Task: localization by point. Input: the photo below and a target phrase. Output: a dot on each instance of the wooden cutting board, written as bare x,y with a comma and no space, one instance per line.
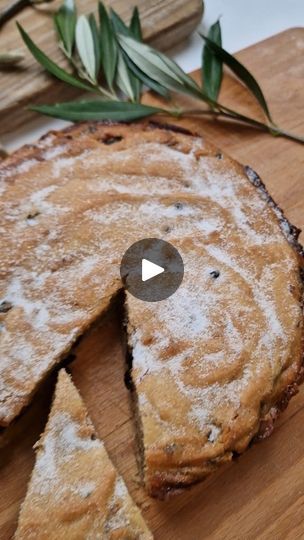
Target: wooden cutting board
261,494
165,23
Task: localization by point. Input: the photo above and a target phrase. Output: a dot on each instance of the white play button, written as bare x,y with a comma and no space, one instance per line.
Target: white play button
150,270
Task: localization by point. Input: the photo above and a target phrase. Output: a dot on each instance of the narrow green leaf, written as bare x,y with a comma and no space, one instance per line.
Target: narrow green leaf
158,67
150,83
143,55
215,33
136,32
109,49
123,80
65,22
212,65
85,46
119,111
139,77
135,25
119,26
241,72
96,40
134,29
49,65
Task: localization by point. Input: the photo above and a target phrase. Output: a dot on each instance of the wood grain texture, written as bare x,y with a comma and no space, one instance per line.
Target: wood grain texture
260,495
165,23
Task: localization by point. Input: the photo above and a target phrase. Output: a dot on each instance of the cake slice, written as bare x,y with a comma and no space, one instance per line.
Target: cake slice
75,492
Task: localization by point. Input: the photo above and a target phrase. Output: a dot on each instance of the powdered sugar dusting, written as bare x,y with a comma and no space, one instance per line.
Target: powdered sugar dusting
60,445
54,152
223,323
65,223
120,490
35,309
21,168
118,509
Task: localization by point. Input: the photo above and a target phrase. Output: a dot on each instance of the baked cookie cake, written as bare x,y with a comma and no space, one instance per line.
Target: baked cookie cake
75,491
212,364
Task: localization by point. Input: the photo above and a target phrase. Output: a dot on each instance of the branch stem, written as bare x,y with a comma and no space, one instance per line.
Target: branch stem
224,112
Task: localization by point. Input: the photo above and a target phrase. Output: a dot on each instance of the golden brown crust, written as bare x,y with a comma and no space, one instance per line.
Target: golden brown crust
170,482
75,491
33,175
221,219
180,460
290,384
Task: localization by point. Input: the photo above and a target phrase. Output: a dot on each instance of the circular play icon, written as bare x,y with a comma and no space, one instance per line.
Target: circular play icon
152,269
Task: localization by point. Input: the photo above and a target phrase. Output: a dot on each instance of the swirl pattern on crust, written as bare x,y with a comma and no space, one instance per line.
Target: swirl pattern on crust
210,362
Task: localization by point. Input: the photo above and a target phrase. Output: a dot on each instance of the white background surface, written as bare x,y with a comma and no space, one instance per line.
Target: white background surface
243,22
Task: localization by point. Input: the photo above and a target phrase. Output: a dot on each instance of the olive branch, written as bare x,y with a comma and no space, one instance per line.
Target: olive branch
109,59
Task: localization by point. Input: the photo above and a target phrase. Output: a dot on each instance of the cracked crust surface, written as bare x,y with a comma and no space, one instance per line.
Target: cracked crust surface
75,491
213,364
